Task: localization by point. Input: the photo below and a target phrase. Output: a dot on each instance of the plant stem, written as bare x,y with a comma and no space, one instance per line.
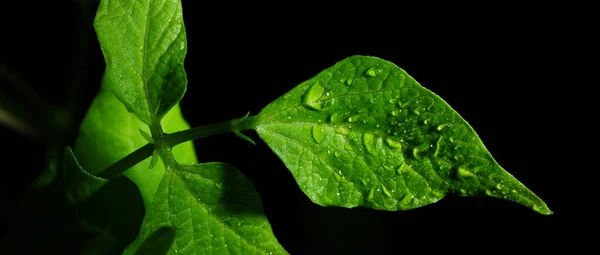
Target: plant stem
163,148
127,162
164,143
234,125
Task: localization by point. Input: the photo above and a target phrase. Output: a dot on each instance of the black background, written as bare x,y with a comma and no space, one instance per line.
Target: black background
497,66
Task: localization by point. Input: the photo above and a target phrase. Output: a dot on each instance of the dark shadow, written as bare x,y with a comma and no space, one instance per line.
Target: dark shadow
158,243
48,222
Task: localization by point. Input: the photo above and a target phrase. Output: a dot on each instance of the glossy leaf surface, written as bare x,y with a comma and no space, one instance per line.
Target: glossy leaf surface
214,209
365,133
144,45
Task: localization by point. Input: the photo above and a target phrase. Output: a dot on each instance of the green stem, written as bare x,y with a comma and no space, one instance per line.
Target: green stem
164,142
234,125
127,162
162,147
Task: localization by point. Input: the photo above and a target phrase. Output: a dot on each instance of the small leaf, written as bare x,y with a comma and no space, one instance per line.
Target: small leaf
381,141
144,45
215,210
146,136
154,159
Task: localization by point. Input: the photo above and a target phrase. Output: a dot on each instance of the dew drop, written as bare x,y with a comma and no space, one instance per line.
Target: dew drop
385,191
336,176
499,186
369,143
353,118
344,130
371,72
415,153
539,208
336,117
442,126
312,96
406,201
465,174
318,133
403,168
393,143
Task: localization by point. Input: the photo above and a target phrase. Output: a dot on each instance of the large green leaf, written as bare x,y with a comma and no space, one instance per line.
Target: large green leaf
214,209
365,133
144,45
69,211
109,132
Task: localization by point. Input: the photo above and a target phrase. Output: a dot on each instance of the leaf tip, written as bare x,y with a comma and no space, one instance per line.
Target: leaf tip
542,208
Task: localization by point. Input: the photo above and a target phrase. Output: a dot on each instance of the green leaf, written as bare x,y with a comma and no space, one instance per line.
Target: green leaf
158,242
144,45
365,133
109,132
74,212
215,210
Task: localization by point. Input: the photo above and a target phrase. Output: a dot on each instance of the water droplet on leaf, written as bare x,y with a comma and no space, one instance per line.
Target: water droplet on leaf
393,143
336,117
442,126
318,133
385,191
369,143
312,96
371,72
